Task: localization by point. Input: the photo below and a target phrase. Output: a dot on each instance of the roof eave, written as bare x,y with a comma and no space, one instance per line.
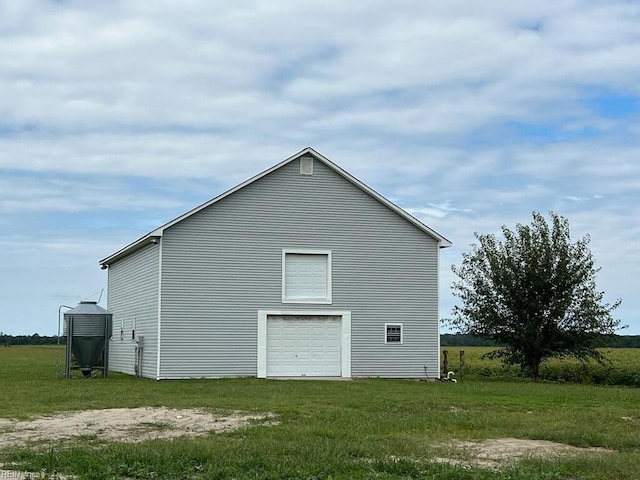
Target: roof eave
123,252
150,238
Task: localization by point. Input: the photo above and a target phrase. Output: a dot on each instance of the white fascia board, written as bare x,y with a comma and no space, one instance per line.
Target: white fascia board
442,241
160,230
149,238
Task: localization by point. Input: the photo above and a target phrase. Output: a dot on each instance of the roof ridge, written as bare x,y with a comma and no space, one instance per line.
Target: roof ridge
153,235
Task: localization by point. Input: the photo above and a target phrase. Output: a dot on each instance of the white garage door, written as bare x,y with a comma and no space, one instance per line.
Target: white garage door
299,346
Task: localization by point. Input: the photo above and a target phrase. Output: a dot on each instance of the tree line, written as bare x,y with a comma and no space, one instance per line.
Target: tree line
603,341
446,340
34,339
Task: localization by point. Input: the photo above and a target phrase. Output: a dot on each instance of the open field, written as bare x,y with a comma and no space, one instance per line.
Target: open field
621,367
382,429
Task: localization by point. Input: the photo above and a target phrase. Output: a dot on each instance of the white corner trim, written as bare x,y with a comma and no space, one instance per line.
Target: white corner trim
159,309
345,341
345,350
436,371
262,344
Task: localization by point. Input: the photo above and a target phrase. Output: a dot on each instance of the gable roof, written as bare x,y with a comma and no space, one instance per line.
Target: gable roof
155,235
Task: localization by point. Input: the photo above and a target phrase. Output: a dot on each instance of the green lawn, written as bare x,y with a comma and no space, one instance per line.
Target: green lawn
373,428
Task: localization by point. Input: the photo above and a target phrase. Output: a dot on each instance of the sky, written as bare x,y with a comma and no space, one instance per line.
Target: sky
118,116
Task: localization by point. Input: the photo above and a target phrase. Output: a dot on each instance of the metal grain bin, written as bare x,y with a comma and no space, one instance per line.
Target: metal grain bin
87,328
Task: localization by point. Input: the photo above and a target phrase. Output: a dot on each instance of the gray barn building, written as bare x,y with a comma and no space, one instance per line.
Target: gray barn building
301,270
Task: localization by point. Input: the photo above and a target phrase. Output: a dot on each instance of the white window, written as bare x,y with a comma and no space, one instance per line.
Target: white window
393,333
306,276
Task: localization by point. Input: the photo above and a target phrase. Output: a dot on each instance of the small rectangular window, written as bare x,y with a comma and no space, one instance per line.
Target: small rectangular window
393,333
133,329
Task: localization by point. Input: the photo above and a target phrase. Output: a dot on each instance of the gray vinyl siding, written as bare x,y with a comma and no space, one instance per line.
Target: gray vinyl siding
133,293
224,263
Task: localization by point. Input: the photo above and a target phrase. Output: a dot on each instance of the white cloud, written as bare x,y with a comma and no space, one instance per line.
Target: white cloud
471,114
436,210
25,195
574,198
206,65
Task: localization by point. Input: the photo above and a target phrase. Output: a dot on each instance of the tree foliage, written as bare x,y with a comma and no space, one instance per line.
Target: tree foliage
534,292
35,339
603,341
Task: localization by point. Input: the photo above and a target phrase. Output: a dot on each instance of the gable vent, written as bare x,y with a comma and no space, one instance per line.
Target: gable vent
306,166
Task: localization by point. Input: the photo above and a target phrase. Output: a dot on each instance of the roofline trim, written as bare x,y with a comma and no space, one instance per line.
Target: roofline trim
148,239
443,242
158,232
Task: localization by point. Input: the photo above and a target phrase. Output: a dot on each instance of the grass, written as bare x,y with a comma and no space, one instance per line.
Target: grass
621,367
365,429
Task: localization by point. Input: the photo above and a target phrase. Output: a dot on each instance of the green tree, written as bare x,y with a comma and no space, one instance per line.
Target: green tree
534,292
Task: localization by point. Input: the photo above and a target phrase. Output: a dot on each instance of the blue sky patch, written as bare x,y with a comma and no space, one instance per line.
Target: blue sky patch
612,105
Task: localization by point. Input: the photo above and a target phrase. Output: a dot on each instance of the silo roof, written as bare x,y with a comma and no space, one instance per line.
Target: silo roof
88,308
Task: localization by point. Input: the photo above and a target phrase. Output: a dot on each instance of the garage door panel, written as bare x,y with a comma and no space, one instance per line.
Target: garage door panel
303,346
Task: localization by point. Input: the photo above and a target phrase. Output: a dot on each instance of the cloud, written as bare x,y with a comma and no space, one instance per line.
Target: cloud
186,62
116,117
436,210
20,195
574,198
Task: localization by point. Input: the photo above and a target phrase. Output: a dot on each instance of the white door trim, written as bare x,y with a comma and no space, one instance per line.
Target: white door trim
345,341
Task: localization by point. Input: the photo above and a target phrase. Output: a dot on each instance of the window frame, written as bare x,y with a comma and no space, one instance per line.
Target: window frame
386,333
306,251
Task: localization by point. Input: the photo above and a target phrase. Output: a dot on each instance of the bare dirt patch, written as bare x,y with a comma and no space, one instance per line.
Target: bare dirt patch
122,425
497,453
